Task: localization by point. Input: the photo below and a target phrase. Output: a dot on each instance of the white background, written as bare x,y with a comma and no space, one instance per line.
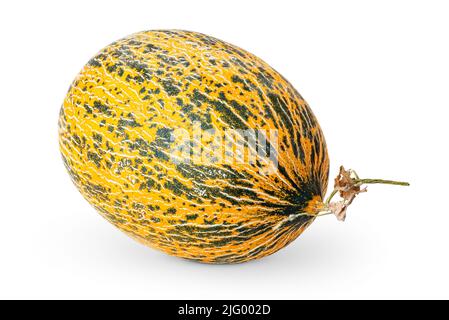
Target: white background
376,74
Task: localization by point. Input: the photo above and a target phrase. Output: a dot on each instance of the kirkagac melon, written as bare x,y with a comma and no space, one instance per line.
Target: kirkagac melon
256,167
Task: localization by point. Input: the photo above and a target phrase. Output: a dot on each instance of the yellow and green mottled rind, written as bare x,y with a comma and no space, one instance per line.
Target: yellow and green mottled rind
114,127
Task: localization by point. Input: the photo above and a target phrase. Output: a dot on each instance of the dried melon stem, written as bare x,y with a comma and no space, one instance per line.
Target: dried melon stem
348,184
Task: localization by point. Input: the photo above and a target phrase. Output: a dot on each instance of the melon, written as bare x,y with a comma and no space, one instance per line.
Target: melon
194,146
